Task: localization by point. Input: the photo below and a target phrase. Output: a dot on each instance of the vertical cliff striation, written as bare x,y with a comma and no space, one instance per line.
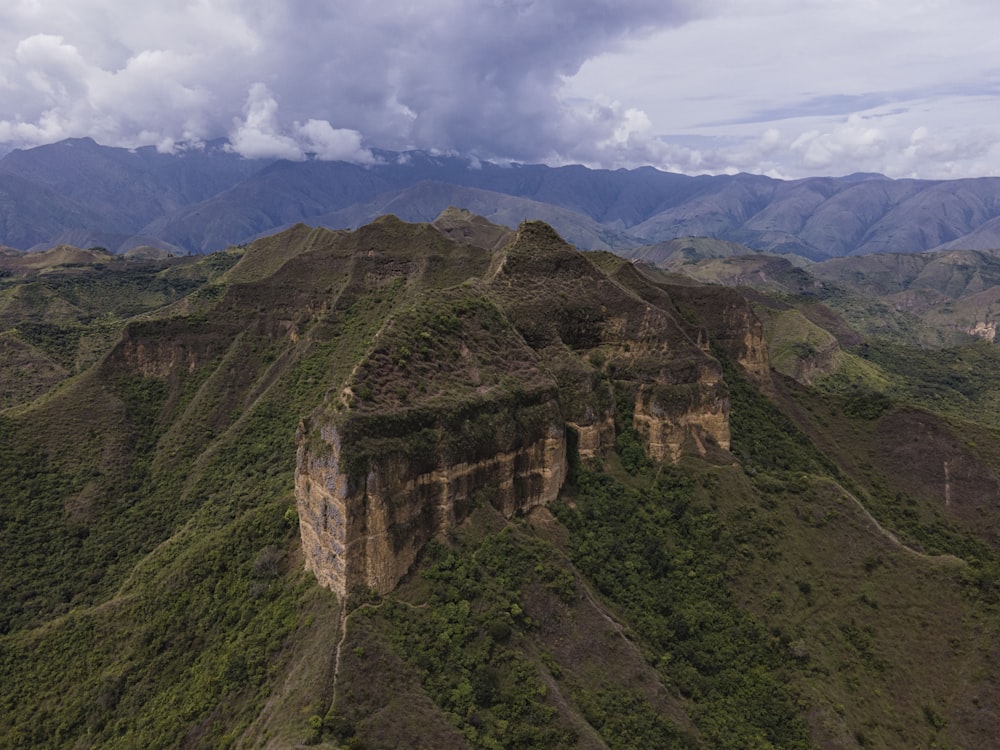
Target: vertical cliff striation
365,532
596,313
471,393
448,409
680,419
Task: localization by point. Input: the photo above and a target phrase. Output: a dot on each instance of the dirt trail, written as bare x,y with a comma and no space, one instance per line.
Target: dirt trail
891,537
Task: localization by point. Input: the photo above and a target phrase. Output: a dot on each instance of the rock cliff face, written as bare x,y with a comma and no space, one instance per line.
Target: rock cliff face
470,394
366,533
730,324
691,418
986,330
595,438
160,350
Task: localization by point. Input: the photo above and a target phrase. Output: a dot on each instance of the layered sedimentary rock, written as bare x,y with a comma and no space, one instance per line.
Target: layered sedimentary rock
630,329
595,438
469,395
729,323
447,410
165,348
690,417
366,532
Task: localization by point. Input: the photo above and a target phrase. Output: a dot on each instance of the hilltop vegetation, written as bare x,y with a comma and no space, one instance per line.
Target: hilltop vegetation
831,580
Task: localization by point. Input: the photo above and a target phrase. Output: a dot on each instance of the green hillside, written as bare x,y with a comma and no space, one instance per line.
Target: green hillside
829,577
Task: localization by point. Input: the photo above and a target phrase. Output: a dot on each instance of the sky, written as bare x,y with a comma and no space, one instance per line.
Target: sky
787,88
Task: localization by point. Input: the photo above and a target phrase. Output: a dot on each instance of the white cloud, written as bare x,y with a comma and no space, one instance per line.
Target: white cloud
802,69
768,85
460,75
257,135
334,144
853,141
52,67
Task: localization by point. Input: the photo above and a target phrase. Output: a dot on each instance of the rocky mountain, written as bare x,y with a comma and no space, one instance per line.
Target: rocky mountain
206,198
454,485
936,298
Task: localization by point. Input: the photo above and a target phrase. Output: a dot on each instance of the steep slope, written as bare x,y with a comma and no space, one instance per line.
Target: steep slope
460,397
192,474
61,309
462,225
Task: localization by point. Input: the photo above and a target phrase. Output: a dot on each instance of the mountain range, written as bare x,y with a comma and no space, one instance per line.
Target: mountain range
207,198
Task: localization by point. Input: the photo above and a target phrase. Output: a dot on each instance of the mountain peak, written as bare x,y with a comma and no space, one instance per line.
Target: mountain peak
462,225
538,234
73,142
536,249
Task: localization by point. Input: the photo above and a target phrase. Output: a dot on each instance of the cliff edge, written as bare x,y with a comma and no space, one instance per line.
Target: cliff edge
474,393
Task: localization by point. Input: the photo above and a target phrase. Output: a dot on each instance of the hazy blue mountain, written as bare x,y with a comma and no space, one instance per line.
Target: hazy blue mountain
31,213
281,194
126,188
426,200
206,198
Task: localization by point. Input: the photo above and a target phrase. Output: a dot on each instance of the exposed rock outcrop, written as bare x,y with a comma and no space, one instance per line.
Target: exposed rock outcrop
693,416
367,532
986,330
470,395
165,348
595,438
729,323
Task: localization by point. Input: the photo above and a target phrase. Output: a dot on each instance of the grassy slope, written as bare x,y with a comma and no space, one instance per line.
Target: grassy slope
154,593
178,522
930,482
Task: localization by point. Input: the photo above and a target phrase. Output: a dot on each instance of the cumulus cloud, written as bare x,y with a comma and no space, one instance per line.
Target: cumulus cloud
308,77
592,81
851,142
334,144
260,135
257,135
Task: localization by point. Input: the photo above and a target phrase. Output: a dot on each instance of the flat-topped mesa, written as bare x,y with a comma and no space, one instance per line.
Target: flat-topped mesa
475,393
448,410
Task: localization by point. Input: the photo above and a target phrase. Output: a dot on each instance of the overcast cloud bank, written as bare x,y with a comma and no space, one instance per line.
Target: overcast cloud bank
774,86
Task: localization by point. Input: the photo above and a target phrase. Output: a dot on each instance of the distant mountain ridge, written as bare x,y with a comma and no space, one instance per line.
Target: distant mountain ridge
205,199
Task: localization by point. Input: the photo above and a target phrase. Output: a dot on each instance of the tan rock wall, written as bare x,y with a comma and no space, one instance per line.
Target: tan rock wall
369,535
692,422
595,439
